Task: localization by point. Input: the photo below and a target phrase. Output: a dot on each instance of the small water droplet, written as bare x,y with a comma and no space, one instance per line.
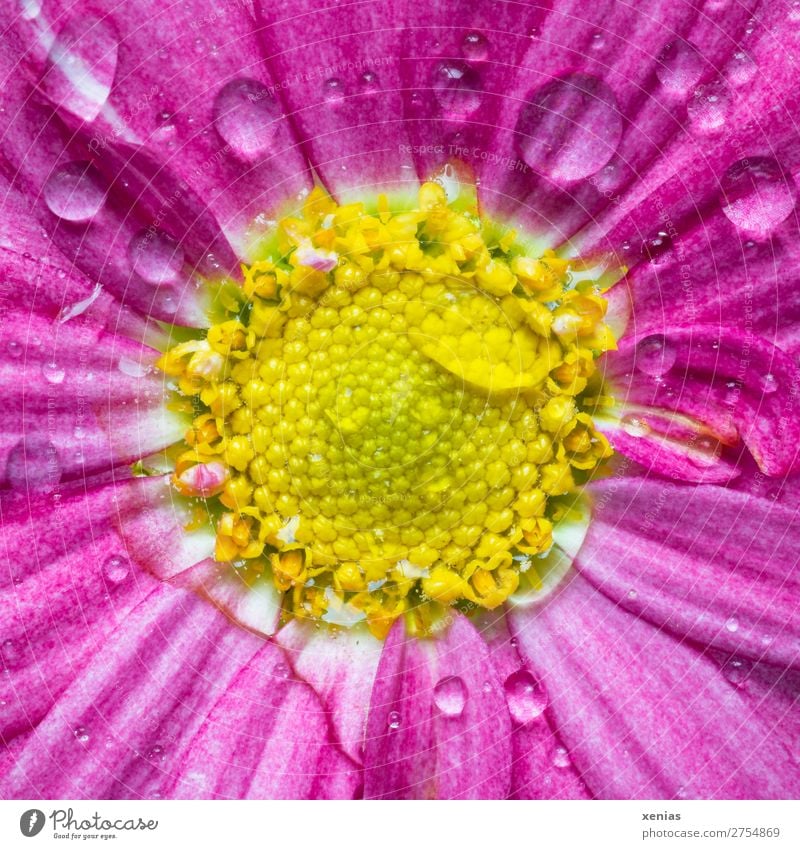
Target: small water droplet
15,350
81,734
369,81
741,68
450,696
634,426
561,758
474,46
709,107
732,625
53,373
282,671
116,568
333,90
655,355
525,697
736,671
632,595
768,384
156,754
656,248
679,66
598,41
457,88
393,720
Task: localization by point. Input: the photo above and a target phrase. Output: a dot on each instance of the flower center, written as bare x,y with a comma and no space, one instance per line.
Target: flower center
391,419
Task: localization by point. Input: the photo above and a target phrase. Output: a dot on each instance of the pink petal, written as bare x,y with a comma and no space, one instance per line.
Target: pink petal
642,715
66,584
266,738
346,104
706,563
723,383
435,729
341,670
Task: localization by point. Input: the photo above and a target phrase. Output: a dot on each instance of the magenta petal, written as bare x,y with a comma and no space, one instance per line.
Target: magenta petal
121,729
435,729
724,385
341,671
266,738
539,766
707,563
346,103
642,715
65,584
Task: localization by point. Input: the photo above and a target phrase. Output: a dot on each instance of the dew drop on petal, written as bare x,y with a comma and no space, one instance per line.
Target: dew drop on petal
525,697
116,568
634,426
245,116
81,734
370,81
450,696
679,66
656,248
741,68
709,107
74,192
732,625
474,46
333,90
561,758
736,671
757,194
570,128
155,256
393,720
457,88
14,349
53,373
655,355
33,463
768,384
131,367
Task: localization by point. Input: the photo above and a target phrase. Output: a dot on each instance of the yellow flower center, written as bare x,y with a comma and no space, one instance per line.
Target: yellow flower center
389,421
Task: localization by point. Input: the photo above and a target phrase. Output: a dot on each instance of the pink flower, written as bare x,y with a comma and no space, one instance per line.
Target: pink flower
147,151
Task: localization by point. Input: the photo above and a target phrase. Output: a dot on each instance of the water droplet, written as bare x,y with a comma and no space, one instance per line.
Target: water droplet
74,192
450,696
370,81
457,88
14,349
758,194
732,625
632,595
155,256
741,68
281,671
768,384
393,720
736,671
81,734
655,355
561,758
132,368
333,90
475,47
53,373
525,697
570,128
246,116
116,568
156,754
33,463
679,66
598,41
709,107
657,247
634,426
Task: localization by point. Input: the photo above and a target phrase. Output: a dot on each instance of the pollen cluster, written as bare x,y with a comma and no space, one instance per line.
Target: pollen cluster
391,412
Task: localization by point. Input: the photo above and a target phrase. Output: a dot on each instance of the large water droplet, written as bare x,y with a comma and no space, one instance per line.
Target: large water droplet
450,696
155,256
679,66
33,463
741,68
116,568
758,194
457,88
570,128
74,192
709,107
655,355
525,697
245,116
